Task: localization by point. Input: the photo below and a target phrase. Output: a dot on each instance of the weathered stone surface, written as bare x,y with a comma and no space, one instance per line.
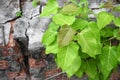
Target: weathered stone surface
36,31
36,25
8,9
4,33
94,5
2,75
36,66
117,14
7,31
29,11
1,35
61,2
20,27
43,1
3,64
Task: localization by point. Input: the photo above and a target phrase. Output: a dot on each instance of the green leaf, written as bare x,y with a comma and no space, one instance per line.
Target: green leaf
69,9
50,34
117,21
101,70
89,40
107,31
53,48
91,69
83,55
74,66
108,59
79,24
104,73
50,8
65,35
116,34
67,55
104,19
53,26
93,26
63,19
118,53
81,70
83,11
35,2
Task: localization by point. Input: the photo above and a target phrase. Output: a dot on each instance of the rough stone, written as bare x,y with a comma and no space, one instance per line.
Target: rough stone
20,27
36,66
1,35
3,64
36,31
37,77
43,2
93,5
29,11
117,14
8,9
2,75
7,31
37,26
4,33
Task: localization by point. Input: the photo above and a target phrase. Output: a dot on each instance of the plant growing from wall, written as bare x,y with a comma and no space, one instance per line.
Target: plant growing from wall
18,13
82,46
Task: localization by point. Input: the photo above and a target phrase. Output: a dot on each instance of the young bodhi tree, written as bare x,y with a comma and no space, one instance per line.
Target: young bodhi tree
83,45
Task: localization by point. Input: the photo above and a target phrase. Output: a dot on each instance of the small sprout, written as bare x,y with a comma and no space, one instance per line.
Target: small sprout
18,13
35,3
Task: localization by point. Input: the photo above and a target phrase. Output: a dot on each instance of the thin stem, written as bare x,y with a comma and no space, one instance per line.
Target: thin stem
54,75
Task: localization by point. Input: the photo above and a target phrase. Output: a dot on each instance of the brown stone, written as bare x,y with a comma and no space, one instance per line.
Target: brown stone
37,63
11,75
3,64
21,76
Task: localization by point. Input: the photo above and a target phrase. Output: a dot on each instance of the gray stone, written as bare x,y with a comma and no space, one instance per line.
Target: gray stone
61,2
36,31
7,27
116,14
20,27
1,35
2,75
37,77
43,1
8,9
29,11
93,1
93,5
